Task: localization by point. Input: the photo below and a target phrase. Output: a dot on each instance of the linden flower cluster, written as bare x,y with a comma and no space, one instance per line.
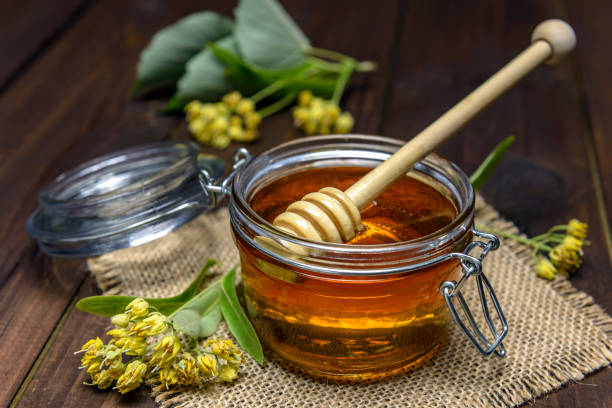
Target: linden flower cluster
317,116
218,124
165,359
566,256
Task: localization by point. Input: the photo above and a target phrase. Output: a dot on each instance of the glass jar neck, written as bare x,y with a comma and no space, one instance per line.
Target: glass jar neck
342,259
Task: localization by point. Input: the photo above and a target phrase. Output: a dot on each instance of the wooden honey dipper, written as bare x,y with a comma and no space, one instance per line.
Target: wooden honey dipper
334,216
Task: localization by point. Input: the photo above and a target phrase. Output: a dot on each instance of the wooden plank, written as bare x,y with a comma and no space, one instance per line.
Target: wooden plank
546,179
593,65
73,104
60,383
67,389
28,27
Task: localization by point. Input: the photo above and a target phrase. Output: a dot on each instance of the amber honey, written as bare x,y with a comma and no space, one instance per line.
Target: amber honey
358,326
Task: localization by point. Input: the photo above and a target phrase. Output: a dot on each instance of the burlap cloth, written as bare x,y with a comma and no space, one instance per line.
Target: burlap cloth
556,333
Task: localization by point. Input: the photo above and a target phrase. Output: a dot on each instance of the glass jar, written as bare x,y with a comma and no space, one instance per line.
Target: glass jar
355,311
336,310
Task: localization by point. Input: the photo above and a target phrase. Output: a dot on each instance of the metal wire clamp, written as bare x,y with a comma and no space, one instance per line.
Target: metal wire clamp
472,266
209,185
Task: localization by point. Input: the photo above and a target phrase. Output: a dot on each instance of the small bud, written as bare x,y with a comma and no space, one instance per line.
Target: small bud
228,373
220,125
193,109
220,141
232,99
245,106
120,320
235,121
137,308
252,120
300,116
577,229
344,123
304,98
235,133
545,269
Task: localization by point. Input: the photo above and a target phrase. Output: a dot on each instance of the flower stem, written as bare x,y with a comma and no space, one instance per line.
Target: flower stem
278,105
535,245
269,90
348,65
362,66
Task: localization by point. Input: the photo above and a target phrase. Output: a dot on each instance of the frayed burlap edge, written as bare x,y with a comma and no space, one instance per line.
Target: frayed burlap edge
537,383
566,369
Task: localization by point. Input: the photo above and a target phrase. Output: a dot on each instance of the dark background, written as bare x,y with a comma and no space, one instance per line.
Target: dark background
66,69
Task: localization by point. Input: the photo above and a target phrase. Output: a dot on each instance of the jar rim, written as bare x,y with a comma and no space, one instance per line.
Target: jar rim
320,147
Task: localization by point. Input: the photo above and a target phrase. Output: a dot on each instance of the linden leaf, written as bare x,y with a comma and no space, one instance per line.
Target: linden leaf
267,36
112,305
162,63
237,321
488,166
205,78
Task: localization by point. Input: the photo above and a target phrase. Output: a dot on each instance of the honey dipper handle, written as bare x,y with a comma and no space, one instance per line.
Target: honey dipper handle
551,40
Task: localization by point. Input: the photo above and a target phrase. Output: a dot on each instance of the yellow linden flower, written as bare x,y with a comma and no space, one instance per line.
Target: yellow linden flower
103,379
168,376
117,334
565,260
344,123
250,135
332,112
92,345
152,325
577,229
252,120
92,359
228,373
304,98
571,243
116,369
120,320
232,99
300,116
132,377
220,124
545,269
137,308
220,141
197,127
225,349
186,369
245,106
207,365
166,350
135,346
193,109
208,112
236,133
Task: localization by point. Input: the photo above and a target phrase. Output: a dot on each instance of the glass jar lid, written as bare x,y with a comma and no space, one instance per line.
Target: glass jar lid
122,199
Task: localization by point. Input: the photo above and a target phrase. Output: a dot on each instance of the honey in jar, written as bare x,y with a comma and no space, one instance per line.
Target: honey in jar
363,309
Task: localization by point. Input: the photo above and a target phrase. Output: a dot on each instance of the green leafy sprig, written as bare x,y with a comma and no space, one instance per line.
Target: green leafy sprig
206,55
195,312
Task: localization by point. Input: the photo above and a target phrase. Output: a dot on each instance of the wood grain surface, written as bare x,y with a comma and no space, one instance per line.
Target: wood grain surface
68,69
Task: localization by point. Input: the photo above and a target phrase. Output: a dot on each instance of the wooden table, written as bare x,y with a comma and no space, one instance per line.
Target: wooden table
65,76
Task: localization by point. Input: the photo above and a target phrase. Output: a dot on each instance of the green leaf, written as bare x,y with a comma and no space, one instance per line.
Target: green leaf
187,321
250,78
112,305
209,322
486,168
237,321
162,63
205,78
267,36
